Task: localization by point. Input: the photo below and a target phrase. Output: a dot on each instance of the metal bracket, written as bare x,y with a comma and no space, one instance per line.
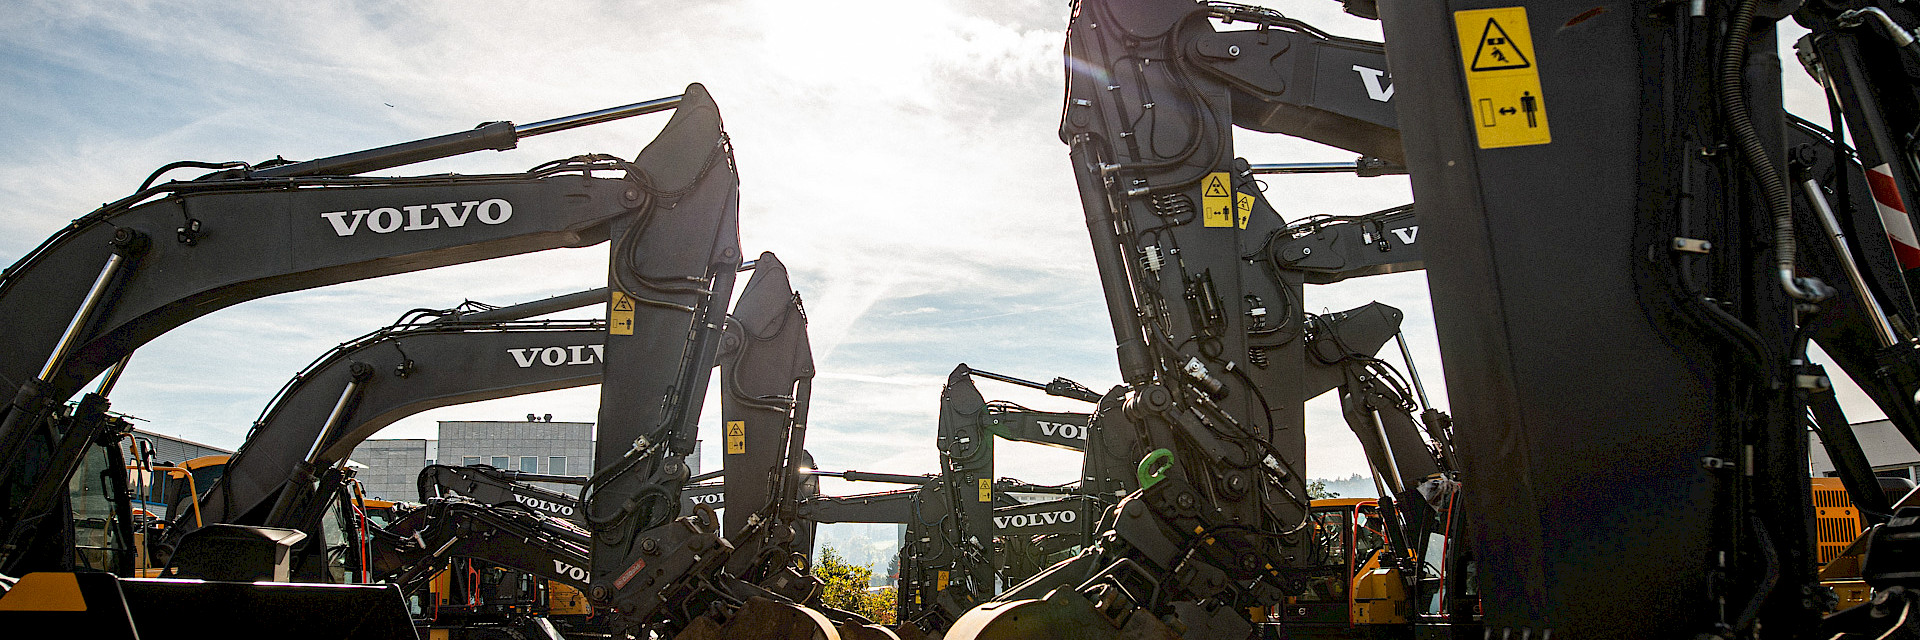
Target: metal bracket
1691,245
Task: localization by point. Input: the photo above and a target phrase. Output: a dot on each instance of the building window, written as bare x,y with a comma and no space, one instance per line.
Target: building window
469,460
557,465
500,462
530,464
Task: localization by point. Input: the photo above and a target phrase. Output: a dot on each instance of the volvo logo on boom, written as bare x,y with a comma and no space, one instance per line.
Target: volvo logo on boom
711,498
570,571
558,356
1062,429
544,505
1034,519
1377,90
417,218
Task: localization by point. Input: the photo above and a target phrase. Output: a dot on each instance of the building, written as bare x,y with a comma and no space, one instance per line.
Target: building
392,467
1887,451
535,445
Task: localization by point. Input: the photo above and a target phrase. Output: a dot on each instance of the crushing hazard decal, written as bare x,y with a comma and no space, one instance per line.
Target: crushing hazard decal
1503,77
620,315
1220,205
736,436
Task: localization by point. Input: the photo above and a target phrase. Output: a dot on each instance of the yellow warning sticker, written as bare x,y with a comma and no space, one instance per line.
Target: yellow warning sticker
1503,77
941,584
1216,200
620,315
986,489
1243,206
736,436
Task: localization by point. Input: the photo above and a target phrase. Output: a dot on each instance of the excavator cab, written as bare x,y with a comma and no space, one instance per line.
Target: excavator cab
1362,575
1346,536
102,515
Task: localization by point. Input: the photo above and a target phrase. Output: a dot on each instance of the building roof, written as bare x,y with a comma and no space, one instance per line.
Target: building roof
181,440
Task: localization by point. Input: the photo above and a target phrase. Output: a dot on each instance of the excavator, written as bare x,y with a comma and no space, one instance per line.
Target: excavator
79,304
947,564
288,473
1624,307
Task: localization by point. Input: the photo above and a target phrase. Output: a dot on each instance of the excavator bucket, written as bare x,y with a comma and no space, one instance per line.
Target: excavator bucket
865,632
765,619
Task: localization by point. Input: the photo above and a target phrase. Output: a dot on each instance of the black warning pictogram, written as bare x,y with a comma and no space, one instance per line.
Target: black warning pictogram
1216,186
1497,51
621,303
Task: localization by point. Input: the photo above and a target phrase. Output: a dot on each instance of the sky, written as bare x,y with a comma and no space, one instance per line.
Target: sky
901,158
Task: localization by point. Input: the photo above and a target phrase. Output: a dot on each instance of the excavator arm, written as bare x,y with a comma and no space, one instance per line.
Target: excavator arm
136,268
415,547
355,390
496,487
683,576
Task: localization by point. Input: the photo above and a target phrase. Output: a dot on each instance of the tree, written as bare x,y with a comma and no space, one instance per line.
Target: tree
1317,489
846,587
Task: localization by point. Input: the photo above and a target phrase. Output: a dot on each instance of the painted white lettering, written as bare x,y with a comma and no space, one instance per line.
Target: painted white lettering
553,356
502,209
1407,234
599,352
1375,90
340,225
1020,520
384,220
522,356
414,220
1069,431
456,219
419,217
579,355
570,571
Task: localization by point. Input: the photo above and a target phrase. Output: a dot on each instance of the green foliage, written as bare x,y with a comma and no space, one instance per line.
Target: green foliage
846,587
1317,489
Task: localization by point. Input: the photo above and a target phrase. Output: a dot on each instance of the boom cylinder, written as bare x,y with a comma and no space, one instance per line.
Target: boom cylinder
498,136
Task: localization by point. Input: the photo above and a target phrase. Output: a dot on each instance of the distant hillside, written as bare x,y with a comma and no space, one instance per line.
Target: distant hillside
1354,486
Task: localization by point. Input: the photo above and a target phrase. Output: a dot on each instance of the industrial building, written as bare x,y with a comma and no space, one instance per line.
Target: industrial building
1887,451
535,445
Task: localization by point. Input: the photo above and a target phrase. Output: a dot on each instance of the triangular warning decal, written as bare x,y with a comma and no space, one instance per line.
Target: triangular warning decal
1497,51
621,303
1216,186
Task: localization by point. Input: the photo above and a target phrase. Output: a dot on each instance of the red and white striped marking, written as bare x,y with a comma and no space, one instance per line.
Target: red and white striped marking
1893,216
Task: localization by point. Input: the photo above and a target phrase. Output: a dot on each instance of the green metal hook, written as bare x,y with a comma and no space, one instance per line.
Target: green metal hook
1153,468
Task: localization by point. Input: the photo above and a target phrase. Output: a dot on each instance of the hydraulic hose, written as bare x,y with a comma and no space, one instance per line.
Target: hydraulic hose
1733,104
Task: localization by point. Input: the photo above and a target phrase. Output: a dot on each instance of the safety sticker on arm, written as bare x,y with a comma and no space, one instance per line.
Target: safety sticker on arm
1503,77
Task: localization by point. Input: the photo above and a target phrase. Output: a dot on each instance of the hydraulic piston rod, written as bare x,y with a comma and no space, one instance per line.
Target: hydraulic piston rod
1059,387
1365,167
1882,329
863,476
498,136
